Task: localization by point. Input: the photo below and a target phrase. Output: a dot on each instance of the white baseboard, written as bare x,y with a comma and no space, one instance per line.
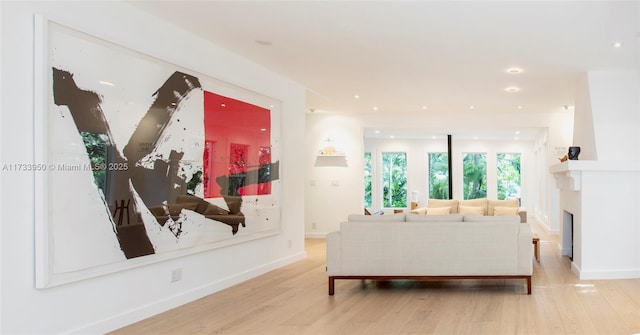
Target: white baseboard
315,235
153,308
605,274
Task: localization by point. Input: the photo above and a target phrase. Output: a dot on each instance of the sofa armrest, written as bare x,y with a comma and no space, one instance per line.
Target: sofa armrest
333,253
522,212
525,249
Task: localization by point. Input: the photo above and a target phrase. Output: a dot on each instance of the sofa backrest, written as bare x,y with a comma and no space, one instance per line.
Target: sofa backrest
451,248
376,218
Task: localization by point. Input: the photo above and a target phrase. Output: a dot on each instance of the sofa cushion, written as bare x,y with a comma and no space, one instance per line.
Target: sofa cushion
434,218
376,218
492,204
498,211
438,211
452,203
471,210
504,218
482,202
233,203
175,209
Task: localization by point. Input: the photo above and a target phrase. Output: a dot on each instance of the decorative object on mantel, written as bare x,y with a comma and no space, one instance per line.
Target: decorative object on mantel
563,158
574,152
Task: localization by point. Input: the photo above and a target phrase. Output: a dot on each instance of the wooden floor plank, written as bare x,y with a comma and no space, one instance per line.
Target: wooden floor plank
294,300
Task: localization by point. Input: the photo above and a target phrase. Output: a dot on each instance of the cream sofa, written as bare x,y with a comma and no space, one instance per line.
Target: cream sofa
410,246
481,206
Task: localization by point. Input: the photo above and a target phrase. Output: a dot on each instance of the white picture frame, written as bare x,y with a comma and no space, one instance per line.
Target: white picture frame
77,236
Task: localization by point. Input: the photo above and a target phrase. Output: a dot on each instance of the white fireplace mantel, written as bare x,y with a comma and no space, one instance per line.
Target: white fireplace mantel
585,191
568,174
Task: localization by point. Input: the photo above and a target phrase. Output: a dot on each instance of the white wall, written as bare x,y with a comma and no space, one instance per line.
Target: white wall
327,206
616,114
332,190
104,303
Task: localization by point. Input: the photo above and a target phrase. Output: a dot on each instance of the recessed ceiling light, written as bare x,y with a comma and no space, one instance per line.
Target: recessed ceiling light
519,107
514,70
377,131
472,107
356,96
424,108
223,105
517,132
392,136
263,129
512,89
375,108
617,44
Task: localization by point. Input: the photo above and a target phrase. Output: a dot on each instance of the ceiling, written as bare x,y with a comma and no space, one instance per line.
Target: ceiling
422,56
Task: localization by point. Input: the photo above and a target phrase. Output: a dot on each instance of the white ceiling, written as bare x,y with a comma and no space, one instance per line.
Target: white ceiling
400,56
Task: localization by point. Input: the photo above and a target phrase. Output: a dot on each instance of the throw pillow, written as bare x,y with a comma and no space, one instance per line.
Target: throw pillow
471,210
234,203
492,204
438,211
505,211
452,203
481,202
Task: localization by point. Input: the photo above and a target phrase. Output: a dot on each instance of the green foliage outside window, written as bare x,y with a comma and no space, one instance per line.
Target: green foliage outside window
394,179
438,176
96,145
508,176
474,166
367,179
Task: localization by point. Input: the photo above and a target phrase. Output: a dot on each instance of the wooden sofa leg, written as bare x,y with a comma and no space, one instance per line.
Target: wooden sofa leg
529,285
331,285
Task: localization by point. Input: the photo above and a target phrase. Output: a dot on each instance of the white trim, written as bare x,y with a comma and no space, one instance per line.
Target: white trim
605,274
137,314
315,235
41,190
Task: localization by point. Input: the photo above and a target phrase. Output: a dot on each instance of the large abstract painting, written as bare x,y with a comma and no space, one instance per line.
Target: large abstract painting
146,161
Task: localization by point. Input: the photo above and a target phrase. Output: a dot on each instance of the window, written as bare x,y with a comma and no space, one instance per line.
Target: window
394,179
508,174
439,175
474,166
367,179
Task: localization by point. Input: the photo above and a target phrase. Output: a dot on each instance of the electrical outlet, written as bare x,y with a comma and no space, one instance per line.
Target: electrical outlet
176,275
314,225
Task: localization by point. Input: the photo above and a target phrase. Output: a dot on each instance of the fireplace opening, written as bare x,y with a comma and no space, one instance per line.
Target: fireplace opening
567,234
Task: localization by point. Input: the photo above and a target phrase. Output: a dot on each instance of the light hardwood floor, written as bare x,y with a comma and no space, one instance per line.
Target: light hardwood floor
294,300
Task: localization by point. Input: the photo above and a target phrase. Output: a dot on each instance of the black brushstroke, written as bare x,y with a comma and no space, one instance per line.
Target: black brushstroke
85,108
232,183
